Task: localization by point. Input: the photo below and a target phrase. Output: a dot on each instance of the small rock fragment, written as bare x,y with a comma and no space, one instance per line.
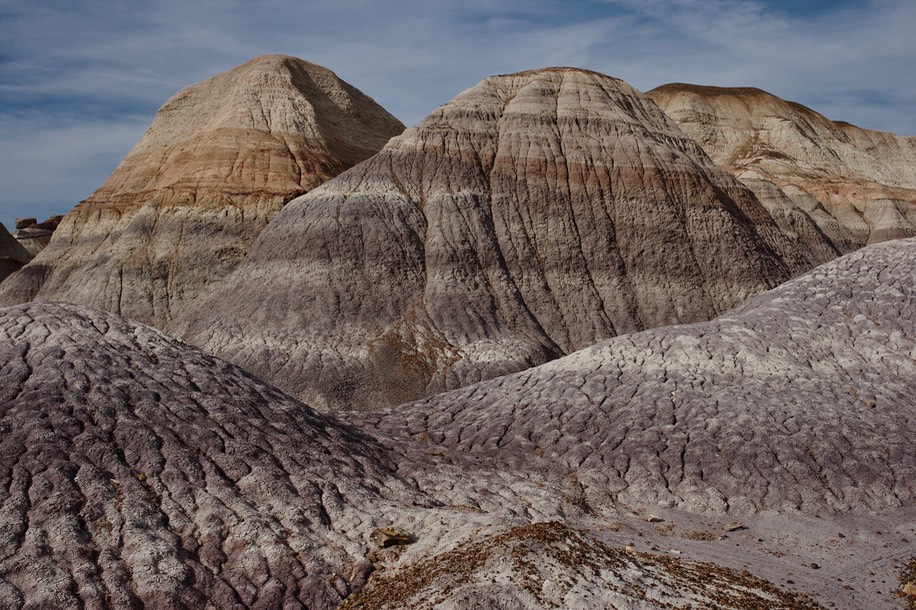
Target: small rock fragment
390,536
732,527
909,588
815,566
653,519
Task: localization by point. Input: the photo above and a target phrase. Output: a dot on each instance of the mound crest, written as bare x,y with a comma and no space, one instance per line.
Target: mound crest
138,471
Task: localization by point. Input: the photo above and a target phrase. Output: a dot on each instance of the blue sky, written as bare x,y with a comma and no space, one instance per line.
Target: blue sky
81,81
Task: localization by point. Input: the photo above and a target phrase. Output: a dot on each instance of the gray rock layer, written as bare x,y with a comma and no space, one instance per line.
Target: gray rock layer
137,472
803,399
833,186
533,215
219,160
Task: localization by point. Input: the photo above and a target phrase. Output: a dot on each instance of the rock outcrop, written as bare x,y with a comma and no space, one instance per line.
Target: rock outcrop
34,236
12,255
139,472
834,186
219,160
531,216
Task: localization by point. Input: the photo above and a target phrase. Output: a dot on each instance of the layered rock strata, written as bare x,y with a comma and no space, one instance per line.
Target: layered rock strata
799,400
219,160
12,255
531,216
833,185
34,236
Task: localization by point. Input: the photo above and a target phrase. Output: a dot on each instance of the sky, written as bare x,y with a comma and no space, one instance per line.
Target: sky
81,81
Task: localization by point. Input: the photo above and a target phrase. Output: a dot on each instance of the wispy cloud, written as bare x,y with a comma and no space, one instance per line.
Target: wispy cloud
80,81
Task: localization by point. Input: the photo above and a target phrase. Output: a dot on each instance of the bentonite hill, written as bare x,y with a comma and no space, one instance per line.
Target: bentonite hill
760,460
534,214
836,185
219,160
578,361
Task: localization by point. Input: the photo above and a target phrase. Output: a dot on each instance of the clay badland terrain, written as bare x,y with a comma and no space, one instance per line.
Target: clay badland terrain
570,345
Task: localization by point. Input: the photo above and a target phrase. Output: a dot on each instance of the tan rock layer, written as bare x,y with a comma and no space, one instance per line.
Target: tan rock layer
219,160
532,215
830,183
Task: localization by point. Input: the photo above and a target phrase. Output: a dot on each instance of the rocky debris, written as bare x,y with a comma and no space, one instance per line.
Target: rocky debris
532,215
34,236
220,159
764,408
140,472
734,526
550,565
12,255
832,186
390,536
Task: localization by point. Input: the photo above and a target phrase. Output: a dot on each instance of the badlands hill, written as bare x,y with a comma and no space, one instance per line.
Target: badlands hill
12,254
139,472
820,179
728,464
798,404
219,160
532,215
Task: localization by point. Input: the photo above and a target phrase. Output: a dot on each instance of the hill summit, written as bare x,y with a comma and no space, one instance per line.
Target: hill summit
220,159
532,215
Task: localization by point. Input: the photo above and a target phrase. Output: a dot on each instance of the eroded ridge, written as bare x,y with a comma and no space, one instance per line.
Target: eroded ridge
833,187
533,215
136,471
801,399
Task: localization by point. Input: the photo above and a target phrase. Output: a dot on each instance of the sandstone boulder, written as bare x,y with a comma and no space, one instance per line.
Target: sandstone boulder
34,236
219,160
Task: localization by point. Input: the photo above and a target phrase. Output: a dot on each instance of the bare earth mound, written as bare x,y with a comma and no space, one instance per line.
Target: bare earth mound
834,186
776,438
800,400
531,216
139,472
219,160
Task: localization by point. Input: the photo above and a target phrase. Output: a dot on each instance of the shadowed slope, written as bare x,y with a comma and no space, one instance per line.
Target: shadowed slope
533,215
136,471
219,160
833,185
12,255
